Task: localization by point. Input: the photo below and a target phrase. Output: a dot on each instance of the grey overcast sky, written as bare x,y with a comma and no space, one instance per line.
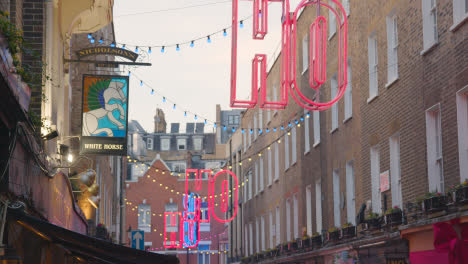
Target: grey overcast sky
195,78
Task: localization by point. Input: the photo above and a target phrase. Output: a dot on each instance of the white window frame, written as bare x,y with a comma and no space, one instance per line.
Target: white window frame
430,32
244,137
309,209
144,217
278,225
260,119
288,220
334,108
165,146
460,13
348,96
262,232
336,198
462,121
197,142
347,6
316,115
272,229
246,240
435,166
179,167
250,183
255,131
296,217
375,179
306,132
270,167
395,170
277,168
262,179
286,151
257,235
392,48
318,207
305,53
293,146
350,193
182,142
257,182
251,238
149,143
373,67
331,22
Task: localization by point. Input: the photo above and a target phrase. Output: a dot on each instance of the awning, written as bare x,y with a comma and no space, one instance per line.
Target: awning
91,249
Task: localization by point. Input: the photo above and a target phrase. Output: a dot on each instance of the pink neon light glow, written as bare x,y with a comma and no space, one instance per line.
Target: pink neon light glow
318,53
235,197
260,18
174,243
317,60
303,101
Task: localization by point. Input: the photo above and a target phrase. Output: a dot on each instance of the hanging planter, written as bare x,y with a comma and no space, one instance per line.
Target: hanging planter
306,242
374,221
460,193
393,216
316,240
434,202
333,234
348,230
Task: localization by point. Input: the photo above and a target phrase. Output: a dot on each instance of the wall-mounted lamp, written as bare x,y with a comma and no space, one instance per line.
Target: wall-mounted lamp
94,201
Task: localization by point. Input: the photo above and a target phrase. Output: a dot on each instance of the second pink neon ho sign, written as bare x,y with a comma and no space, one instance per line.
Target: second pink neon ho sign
317,60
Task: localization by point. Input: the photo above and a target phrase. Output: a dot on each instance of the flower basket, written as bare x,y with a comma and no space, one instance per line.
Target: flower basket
334,235
274,252
316,241
306,242
435,204
461,195
349,231
294,245
374,223
101,232
285,248
394,218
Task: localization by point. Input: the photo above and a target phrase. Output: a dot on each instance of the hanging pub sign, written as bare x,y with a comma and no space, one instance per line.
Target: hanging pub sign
107,51
105,115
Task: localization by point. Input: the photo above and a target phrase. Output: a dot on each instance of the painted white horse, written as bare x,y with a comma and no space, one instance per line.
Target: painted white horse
91,118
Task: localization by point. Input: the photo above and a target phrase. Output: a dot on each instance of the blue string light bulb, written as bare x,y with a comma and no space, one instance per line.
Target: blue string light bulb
174,107
224,127
242,131
224,32
129,73
113,44
185,113
177,47
195,117
123,46
164,99
141,83
214,125
208,39
136,49
152,91
149,50
91,40
192,44
206,122
90,36
241,24
162,49
101,41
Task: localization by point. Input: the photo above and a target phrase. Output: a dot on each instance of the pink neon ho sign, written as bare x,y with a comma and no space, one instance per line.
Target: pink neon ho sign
188,222
317,51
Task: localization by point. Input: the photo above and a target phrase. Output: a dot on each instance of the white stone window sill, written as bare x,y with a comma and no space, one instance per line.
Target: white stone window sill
456,25
276,180
369,100
294,163
333,130
306,152
316,144
331,36
304,70
269,185
431,47
347,119
391,82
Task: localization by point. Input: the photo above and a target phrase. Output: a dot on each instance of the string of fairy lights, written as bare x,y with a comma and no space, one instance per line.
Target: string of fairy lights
95,39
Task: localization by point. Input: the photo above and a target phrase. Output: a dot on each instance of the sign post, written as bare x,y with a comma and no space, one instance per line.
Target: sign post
138,240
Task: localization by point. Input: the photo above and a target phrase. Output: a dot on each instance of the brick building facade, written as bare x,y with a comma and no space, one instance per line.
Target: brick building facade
403,119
